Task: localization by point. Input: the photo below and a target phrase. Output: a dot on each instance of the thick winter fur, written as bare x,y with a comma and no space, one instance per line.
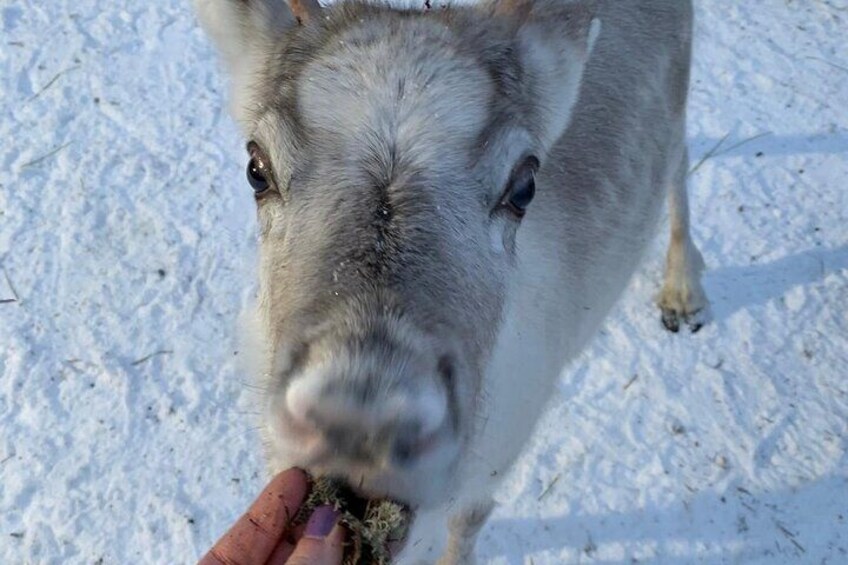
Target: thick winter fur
411,328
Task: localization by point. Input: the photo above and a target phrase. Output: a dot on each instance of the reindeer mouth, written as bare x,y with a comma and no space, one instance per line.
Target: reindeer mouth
378,527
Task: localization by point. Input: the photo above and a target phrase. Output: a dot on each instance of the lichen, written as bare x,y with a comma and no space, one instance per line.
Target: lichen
373,524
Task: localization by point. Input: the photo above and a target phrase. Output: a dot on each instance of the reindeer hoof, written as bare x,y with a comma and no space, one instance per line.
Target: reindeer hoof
672,319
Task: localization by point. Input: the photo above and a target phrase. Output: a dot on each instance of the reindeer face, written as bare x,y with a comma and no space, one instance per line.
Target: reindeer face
393,156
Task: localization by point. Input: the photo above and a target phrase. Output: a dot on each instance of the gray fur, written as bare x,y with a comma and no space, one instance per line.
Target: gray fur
397,300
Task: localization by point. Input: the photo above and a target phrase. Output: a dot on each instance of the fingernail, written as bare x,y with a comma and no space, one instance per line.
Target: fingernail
321,522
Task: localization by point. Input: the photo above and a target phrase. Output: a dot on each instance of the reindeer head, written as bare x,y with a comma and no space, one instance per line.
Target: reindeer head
393,155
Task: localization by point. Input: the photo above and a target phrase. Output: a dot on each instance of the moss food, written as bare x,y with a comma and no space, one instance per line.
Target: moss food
373,524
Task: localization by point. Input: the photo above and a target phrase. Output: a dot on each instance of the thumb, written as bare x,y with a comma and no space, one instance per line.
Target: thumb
323,540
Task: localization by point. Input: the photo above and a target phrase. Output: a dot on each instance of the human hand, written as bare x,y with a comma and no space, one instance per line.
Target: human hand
264,535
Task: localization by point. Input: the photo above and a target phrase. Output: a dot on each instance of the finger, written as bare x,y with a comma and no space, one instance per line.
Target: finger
286,546
322,542
252,539
281,553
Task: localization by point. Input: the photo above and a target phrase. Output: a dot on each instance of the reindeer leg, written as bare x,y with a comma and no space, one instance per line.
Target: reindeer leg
464,528
682,298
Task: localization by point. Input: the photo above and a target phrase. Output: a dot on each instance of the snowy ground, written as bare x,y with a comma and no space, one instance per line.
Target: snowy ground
126,252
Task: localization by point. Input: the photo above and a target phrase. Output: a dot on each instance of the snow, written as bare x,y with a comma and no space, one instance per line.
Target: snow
127,251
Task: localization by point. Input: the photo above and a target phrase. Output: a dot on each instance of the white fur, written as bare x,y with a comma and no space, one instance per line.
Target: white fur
574,252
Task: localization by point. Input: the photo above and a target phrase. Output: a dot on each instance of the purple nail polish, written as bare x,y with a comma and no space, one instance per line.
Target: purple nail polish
321,522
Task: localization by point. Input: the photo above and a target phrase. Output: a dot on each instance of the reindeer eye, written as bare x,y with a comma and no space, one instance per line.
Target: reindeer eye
522,187
256,176
257,169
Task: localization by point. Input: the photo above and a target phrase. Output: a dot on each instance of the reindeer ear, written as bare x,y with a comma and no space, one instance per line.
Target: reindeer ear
305,10
515,11
555,40
576,20
245,32
238,27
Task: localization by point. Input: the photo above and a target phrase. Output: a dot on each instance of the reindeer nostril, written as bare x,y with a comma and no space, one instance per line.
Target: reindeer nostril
412,443
447,374
406,445
446,371
404,453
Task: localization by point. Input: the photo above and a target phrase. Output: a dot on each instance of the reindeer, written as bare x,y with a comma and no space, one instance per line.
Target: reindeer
450,201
